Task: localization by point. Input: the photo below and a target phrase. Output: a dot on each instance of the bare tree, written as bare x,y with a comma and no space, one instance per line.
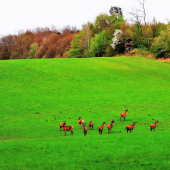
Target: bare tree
168,20
136,19
142,4
138,15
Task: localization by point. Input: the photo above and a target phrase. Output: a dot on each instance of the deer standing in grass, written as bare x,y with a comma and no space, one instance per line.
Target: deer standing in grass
80,122
130,127
101,128
84,129
109,126
62,124
153,126
91,125
68,128
123,115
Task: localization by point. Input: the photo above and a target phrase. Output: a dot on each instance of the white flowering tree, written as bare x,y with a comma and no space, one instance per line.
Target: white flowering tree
117,38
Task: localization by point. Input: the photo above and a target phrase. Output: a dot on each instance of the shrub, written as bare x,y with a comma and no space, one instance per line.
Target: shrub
142,52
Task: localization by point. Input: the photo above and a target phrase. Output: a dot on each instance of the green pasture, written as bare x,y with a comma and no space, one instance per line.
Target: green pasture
37,95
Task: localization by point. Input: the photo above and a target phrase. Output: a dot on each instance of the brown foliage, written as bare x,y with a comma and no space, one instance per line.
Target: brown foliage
51,43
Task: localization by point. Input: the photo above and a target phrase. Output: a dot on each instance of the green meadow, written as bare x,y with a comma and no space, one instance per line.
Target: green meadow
37,95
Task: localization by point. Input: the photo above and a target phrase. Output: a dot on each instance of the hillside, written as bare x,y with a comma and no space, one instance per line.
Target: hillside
36,95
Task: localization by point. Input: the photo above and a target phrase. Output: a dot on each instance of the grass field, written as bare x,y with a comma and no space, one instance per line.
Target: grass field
36,95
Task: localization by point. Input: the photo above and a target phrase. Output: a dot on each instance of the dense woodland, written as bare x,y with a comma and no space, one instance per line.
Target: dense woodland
93,40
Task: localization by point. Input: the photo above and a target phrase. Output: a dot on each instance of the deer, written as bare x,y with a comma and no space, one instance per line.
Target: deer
68,128
109,126
101,128
153,126
62,124
123,115
80,122
84,129
91,125
130,127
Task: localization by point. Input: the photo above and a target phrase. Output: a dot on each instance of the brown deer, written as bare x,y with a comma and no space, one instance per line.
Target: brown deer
80,122
91,125
62,124
101,128
109,126
84,129
123,115
153,126
130,127
68,128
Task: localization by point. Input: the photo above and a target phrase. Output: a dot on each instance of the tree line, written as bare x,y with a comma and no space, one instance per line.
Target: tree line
95,39
38,43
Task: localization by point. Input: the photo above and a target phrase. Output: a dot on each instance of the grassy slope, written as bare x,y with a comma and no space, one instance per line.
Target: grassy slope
96,89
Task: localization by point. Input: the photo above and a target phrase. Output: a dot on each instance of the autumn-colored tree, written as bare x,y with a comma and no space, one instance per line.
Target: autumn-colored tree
42,50
56,45
26,42
6,46
64,44
51,52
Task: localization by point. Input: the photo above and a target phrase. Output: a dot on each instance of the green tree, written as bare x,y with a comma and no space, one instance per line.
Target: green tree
76,50
98,45
33,50
102,22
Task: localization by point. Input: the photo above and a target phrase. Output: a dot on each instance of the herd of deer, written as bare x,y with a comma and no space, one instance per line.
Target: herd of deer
109,126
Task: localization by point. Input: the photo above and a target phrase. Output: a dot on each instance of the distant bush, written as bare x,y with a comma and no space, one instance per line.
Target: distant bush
142,52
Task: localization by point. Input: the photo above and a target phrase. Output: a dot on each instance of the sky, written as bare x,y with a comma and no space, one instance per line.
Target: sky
17,15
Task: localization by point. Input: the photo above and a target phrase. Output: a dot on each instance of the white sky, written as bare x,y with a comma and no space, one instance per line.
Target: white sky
18,15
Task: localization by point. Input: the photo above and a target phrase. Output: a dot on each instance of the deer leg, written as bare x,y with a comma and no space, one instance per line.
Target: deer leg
65,132
92,127
124,118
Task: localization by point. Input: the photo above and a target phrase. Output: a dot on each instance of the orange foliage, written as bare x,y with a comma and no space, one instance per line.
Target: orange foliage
59,47
51,43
